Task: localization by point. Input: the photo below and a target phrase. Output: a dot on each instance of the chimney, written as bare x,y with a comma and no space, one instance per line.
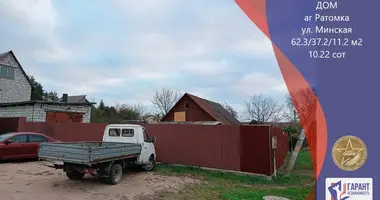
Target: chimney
64,97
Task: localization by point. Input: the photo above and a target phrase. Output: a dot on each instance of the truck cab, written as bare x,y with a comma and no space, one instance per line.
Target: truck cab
136,134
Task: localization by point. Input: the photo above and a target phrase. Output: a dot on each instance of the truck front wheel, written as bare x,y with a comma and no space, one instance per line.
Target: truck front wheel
75,175
115,174
150,165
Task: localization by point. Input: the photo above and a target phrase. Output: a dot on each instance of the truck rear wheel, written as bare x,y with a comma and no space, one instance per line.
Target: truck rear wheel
115,174
75,175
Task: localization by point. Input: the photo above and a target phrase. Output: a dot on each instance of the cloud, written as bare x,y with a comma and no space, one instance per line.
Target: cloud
54,53
32,27
261,83
134,8
34,13
208,68
255,46
124,50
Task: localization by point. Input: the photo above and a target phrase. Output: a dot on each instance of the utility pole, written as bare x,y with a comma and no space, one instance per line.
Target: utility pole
296,150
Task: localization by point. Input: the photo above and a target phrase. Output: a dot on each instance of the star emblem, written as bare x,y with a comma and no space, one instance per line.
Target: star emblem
349,148
349,153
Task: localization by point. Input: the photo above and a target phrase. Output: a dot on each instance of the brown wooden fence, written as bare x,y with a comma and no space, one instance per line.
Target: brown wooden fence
234,147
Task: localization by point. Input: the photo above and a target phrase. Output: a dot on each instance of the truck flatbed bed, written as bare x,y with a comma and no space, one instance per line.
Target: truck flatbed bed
87,153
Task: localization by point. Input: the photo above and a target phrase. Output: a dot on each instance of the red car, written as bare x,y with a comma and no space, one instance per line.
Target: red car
19,145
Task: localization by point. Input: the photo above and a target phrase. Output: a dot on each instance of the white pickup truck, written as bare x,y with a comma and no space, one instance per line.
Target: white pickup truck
123,145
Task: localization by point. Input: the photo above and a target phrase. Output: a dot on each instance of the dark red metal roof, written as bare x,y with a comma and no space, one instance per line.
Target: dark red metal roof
214,109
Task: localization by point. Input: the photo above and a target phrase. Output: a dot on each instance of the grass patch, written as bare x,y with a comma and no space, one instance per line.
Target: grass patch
232,186
303,162
232,177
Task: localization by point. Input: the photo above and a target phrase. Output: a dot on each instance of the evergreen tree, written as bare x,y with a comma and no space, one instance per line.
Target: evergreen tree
37,90
101,105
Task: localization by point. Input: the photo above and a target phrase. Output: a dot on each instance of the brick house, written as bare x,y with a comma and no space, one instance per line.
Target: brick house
15,97
191,108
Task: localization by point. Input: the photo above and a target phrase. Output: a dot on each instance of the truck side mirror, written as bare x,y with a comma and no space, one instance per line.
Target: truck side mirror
153,139
7,142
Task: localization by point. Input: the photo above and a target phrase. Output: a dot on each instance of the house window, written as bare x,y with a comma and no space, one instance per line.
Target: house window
187,105
7,72
3,72
180,116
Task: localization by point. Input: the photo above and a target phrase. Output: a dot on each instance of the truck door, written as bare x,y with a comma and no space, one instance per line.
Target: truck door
147,147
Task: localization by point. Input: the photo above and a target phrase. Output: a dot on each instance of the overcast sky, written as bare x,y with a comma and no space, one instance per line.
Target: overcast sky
124,50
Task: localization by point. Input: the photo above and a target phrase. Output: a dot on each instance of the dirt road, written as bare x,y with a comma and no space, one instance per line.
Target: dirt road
32,181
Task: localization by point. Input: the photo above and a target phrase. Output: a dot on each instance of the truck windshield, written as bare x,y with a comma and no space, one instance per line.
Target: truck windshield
3,137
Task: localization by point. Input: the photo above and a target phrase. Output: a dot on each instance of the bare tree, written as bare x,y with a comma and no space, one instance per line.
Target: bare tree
131,112
165,99
263,109
140,109
304,102
301,106
290,113
231,110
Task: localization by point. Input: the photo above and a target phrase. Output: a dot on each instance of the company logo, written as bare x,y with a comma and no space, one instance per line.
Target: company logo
349,153
349,188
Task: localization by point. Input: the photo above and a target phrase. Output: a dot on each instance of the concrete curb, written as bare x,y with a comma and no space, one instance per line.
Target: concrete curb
274,198
269,178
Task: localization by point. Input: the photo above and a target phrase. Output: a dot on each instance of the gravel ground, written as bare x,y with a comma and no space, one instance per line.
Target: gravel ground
32,181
